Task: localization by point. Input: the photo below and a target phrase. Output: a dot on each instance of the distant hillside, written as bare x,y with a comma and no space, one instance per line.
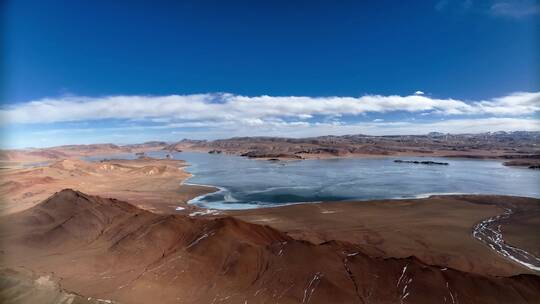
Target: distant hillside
512,145
520,147
76,151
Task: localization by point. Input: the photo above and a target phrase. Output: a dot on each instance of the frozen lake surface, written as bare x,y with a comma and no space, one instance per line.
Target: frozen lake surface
250,183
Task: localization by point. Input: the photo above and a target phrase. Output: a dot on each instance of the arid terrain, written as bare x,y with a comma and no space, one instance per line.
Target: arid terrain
75,231
142,181
129,235
15,156
103,250
270,152
519,147
437,230
515,148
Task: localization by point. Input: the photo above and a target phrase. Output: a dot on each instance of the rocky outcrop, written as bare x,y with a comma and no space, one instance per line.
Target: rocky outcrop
425,162
265,154
527,163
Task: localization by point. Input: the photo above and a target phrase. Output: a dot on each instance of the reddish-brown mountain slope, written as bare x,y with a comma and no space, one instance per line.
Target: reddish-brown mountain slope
108,249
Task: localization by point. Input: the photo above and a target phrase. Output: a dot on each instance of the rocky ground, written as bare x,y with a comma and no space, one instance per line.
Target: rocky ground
143,182
13,157
119,238
437,230
515,146
113,251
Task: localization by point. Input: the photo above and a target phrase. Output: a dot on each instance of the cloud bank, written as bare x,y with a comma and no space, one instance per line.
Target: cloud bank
129,119
237,108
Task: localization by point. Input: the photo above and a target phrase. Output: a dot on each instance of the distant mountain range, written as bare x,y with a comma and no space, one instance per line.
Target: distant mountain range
519,147
506,145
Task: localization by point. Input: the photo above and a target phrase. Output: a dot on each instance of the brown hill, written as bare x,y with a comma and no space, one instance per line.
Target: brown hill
502,145
109,249
153,184
76,151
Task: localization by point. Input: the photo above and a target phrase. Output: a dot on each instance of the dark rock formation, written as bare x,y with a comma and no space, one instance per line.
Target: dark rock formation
427,162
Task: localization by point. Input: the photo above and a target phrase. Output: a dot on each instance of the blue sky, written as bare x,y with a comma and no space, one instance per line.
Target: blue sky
130,71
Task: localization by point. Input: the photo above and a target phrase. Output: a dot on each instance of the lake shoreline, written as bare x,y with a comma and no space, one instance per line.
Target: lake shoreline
294,182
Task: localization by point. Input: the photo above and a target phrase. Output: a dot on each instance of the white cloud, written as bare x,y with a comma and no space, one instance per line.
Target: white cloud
135,134
374,128
418,93
515,8
302,128
230,108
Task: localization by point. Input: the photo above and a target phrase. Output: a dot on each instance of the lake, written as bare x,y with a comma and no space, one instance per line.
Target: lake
249,183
